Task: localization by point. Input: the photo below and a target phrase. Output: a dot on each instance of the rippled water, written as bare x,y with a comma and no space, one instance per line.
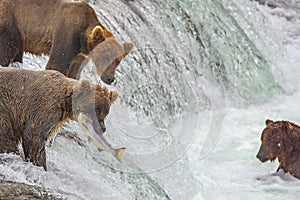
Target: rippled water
195,93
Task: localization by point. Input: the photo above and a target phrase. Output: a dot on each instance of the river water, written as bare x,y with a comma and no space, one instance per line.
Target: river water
194,95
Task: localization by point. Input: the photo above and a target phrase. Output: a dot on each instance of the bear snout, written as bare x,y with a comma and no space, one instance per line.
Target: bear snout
263,157
102,126
109,80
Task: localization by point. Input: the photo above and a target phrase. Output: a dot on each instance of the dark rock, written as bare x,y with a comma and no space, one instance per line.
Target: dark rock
19,191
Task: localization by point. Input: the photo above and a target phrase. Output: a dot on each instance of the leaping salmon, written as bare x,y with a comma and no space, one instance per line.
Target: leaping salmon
98,139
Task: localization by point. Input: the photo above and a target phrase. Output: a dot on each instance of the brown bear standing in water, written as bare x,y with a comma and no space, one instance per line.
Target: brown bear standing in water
66,31
281,139
34,104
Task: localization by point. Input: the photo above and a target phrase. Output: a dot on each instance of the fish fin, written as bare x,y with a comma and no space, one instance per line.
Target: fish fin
118,153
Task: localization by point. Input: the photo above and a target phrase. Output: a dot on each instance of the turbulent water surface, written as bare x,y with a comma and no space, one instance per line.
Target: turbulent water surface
194,95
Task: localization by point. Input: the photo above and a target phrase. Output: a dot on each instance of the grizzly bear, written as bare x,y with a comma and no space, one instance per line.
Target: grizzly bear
34,104
281,139
108,54
64,30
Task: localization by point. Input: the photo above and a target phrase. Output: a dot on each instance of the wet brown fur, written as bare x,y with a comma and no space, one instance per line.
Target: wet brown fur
57,28
281,139
34,104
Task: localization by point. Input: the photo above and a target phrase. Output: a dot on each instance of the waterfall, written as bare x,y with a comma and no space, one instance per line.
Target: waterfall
181,43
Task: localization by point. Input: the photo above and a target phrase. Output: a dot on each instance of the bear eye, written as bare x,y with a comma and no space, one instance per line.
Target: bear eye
102,114
279,144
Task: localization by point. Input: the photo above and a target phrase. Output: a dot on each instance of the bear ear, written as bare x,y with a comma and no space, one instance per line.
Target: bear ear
113,96
268,122
128,46
98,34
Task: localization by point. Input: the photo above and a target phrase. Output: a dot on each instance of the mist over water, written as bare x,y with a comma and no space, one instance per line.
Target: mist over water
194,95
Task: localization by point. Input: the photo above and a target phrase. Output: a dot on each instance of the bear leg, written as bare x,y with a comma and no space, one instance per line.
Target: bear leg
34,150
8,138
65,48
76,66
10,45
8,145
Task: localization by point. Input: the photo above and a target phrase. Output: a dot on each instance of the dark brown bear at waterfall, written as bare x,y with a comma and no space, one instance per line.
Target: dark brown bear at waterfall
281,139
66,31
34,104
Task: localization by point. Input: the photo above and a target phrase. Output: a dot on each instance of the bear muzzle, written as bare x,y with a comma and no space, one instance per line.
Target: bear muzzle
262,156
109,80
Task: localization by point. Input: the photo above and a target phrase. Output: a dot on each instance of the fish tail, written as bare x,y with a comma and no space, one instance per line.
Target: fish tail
118,153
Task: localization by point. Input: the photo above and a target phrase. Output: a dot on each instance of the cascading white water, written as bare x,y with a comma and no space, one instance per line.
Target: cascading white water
181,141
196,36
